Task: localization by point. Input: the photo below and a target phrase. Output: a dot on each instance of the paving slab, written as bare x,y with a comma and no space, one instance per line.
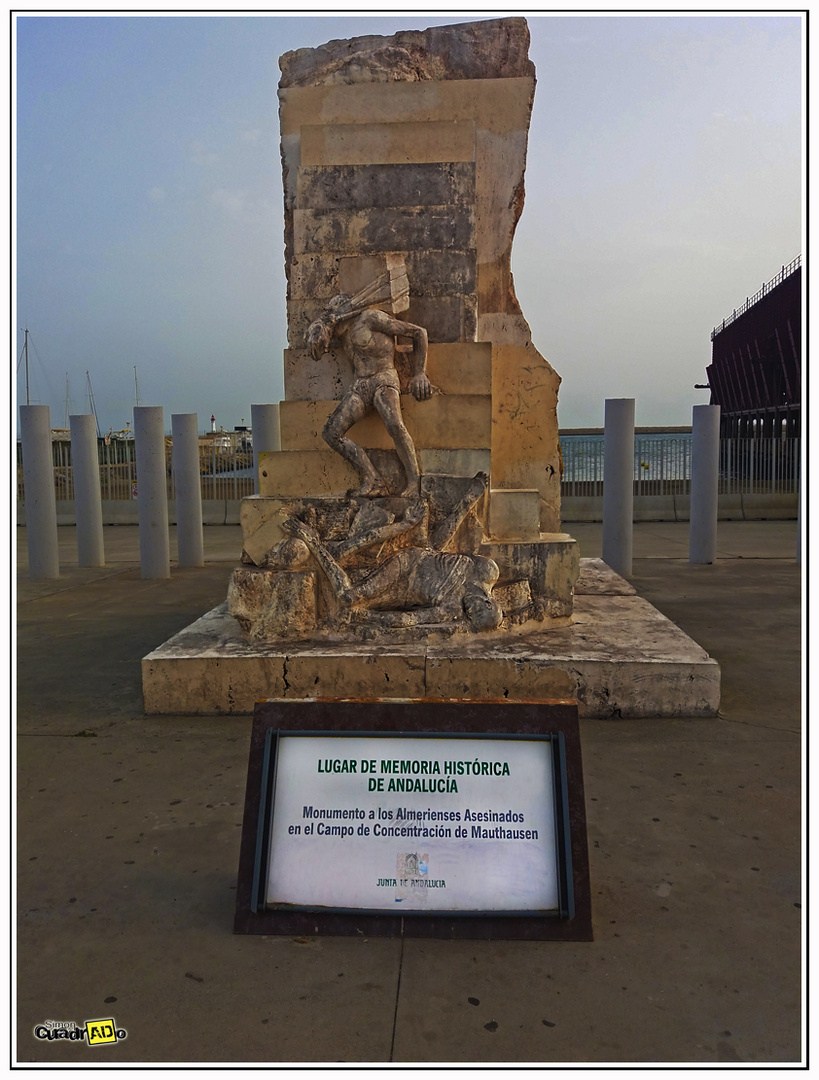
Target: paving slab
695,841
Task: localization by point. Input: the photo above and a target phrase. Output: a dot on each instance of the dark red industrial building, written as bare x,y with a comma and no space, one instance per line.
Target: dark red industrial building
756,361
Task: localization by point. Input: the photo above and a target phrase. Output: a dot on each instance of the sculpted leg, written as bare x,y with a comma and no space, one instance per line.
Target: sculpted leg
388,403
348,412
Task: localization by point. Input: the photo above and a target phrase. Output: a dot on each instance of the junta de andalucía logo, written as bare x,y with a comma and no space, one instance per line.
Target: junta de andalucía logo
97,1032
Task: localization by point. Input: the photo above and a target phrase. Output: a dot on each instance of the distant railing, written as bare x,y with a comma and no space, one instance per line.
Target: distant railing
759,466
785,272
225,468
662,466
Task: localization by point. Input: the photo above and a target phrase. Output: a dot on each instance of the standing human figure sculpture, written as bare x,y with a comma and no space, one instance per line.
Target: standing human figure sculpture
368,338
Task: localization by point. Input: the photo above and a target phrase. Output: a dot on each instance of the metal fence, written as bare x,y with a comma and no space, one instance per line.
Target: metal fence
225,468
662,466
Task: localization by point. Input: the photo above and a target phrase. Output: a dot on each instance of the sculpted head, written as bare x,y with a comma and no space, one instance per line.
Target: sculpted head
482,610
320,332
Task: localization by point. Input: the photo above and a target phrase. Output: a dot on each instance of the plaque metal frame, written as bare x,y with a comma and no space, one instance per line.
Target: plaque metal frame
502,720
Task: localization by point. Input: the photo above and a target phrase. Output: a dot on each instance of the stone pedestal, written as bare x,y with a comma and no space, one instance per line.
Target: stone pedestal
618,657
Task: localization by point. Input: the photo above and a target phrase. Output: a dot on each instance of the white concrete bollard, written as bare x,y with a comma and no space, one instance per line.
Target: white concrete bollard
702,542
85,462
190,540
41,500
264,421
618,485
152,492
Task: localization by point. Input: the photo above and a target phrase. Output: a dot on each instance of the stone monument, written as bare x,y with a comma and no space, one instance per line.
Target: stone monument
406,543
418,482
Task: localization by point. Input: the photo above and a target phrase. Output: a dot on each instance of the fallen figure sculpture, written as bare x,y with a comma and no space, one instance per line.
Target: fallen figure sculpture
416,586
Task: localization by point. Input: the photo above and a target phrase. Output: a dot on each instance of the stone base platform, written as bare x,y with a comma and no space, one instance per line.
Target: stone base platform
619,658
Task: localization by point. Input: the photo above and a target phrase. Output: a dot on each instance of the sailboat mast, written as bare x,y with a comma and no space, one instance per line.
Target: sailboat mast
91,402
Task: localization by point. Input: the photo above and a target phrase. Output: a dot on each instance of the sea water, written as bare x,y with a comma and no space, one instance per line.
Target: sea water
657,456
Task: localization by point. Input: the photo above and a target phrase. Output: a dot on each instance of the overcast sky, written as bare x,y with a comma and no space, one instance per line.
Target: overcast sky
663,186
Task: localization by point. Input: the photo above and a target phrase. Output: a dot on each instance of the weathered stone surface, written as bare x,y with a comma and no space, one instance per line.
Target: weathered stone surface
524,427
423,171
598,579
321,472
363,187
551,565
398,228
260,519
446,319
290,474
433,274
497,106
451,367
445,422
495,49
514,514
368,124
624,657
367,144
271,604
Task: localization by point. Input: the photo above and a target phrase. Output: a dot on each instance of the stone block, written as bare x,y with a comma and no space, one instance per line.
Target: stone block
598,579
349,232
524,427
361,187
501,163
551,565
318,276
273,603
306,379
480,678
466,462
294,473
355,673
446,319
260,519
452,367
459,367
488,49
443,317
380,143
498,106
444,421
514,514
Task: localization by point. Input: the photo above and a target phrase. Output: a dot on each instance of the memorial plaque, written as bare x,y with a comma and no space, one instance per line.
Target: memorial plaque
421,833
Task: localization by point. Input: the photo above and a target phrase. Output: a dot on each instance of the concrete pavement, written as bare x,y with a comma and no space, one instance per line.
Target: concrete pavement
128,838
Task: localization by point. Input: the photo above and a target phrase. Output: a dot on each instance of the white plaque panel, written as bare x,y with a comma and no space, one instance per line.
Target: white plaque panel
414,823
